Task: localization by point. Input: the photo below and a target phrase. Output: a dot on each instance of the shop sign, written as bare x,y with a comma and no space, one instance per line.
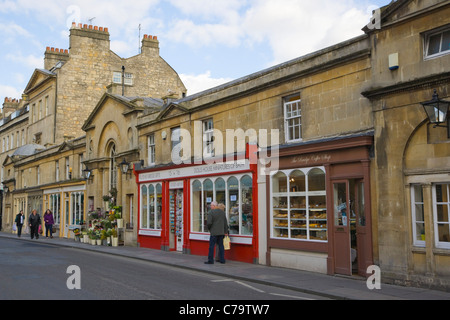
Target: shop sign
194,171
312,159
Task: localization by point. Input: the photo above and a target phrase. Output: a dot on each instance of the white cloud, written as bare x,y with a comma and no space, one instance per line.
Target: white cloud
201,82
10,92
28,61
294,28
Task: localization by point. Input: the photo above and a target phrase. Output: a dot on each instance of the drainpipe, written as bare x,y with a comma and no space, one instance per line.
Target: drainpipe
123,81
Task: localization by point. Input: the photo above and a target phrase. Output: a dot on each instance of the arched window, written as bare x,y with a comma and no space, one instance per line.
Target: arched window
112,167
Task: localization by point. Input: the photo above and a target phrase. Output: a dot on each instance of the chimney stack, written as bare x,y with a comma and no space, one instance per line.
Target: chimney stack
150,45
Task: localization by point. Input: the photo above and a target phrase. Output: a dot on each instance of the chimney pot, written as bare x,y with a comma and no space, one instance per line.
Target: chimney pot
47,49
145,36
96,28
106,29
52,49
155,38
84,26
90,26
80,25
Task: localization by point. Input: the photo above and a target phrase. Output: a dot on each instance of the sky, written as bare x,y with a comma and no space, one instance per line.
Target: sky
207,42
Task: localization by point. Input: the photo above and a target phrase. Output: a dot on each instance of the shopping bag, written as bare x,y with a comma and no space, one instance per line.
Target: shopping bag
226,243
14,227
40,229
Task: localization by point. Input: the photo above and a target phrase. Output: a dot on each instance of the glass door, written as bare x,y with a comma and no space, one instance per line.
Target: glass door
341,228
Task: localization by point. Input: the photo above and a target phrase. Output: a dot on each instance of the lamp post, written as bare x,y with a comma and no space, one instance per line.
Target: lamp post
436,110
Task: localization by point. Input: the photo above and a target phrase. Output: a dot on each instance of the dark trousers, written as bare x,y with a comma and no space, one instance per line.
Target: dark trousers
48,229
34,230
212,243
19,230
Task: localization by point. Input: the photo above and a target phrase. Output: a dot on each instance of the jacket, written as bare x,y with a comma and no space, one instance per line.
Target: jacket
217,222
17,221
48,218
34,220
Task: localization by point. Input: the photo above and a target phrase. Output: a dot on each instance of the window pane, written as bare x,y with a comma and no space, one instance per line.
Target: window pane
297,181
445,41
247,205
158,208
316,180
144,207
151,213
233,194
196,206
434,44
220,191
279,182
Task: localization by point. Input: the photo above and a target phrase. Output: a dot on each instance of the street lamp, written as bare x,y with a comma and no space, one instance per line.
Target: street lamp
87,173
124,166
436,110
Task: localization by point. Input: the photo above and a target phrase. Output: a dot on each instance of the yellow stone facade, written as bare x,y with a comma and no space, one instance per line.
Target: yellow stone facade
362,95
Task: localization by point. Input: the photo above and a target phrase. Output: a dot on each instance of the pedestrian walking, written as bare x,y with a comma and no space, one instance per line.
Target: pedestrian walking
20,220
49,222
34,221
218,227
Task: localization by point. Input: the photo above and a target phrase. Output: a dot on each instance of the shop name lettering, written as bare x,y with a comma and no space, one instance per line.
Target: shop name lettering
219,167
312,159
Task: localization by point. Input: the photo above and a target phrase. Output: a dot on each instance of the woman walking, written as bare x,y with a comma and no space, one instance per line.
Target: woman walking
48,219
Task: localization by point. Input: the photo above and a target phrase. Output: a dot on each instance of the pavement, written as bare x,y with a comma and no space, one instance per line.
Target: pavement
329,286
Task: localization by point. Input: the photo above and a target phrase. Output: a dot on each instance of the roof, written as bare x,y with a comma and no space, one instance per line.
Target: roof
27,150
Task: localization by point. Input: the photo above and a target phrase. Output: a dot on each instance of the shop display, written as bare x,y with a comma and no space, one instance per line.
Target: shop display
299,205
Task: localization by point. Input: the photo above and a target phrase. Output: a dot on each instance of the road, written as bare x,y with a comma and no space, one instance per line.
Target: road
38,271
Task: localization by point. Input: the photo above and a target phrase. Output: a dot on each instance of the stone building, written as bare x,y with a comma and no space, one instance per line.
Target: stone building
410,178
326,163
56,102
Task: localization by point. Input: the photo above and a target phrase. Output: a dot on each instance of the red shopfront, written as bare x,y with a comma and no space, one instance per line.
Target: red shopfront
174,202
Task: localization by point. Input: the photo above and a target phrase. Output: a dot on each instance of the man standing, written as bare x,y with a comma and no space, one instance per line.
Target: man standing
218,228
20,219
34,221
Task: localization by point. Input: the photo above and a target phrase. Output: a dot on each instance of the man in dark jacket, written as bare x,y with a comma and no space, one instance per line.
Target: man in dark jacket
218,228
34,220
20,220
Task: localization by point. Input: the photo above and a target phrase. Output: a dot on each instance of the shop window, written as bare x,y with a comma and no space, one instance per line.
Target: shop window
418,220
197,209
234,194
77,208
151,206
54,205
441,203
299,204
233,205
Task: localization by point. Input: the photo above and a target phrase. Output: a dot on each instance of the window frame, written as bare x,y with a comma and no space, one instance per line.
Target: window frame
151,149
208,135
414,203
287,101
436,223
428,36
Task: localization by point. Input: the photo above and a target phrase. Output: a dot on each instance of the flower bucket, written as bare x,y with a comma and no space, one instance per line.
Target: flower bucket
115,241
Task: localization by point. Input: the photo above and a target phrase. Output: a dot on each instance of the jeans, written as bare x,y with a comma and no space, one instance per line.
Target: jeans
19,230
48,228
212,243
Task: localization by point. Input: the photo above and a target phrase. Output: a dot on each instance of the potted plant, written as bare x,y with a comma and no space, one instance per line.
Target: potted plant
85,237
114,238
77,234
118,216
